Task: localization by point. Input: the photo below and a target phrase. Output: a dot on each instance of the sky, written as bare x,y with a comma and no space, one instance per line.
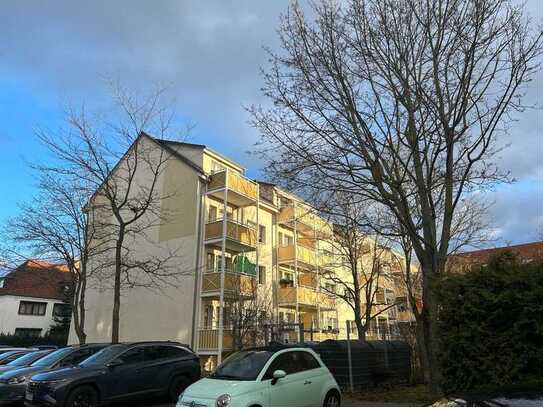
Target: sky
53,53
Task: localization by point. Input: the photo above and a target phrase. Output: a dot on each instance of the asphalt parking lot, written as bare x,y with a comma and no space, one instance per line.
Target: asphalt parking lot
346,403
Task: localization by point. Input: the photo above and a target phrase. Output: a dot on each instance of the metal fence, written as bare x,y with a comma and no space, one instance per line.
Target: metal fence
354,364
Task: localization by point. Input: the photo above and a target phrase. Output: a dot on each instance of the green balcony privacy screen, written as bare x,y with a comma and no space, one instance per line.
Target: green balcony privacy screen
243,265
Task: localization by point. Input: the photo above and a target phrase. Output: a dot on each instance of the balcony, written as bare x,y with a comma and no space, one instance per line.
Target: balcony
241,190
291,254
234,284
304,220
239,237
307,297
209,340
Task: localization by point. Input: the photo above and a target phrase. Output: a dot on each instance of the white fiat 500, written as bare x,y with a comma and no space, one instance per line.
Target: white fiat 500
266,377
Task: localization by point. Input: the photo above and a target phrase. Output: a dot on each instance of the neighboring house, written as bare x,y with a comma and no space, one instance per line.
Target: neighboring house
526,252
32,297
265,237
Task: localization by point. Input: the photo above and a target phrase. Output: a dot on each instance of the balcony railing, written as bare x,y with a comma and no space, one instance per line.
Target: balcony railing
234,182
305,219
209,339
287,296
291,253
233,283
235,231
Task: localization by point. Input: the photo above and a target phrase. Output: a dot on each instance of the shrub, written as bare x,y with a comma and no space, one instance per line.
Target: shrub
29,341
491,325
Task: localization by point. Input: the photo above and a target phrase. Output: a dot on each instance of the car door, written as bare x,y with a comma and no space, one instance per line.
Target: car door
315,376
292,390
157,367
125,375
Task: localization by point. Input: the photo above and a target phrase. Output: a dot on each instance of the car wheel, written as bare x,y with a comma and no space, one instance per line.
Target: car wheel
83,396
332,400
177,386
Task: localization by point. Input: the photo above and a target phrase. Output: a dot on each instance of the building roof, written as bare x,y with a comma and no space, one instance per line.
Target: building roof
166,145
527,251
38,279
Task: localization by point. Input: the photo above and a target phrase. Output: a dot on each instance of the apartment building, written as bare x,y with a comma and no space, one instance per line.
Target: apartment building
526,252
241,238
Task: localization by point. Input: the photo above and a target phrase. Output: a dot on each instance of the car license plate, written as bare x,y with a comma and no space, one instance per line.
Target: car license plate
29,396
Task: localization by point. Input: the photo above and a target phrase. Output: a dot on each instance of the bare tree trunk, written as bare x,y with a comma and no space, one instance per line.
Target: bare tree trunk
78,310
115,319
428,331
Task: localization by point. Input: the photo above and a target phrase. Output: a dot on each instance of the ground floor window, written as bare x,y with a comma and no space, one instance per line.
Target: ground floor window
32,308
32,332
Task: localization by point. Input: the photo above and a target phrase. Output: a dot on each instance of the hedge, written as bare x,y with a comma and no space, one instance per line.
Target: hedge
491,325
58,339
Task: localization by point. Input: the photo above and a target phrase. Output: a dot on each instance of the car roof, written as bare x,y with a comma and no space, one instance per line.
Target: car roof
276,347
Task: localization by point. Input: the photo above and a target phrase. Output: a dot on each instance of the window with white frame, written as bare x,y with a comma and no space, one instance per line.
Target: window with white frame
261,234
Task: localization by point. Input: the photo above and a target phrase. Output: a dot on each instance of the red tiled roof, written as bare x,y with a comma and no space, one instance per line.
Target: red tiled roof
37,279
527,251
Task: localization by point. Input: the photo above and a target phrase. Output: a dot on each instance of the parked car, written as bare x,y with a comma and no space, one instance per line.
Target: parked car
24,361
46,347
272,376
502,397
118,372
5,349
13,383
7,357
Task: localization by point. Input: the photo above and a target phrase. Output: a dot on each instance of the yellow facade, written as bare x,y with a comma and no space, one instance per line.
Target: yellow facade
266,240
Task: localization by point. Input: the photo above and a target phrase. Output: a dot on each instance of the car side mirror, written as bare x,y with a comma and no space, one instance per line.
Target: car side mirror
278,374
113,364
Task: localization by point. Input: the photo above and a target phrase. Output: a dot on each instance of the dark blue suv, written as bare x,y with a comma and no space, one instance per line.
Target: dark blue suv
117,373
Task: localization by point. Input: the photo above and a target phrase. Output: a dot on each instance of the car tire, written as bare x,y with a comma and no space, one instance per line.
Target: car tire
82,396
332,399
177,386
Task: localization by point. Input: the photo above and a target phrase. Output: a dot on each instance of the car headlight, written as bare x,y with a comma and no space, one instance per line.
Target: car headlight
223,401
51,383
17,380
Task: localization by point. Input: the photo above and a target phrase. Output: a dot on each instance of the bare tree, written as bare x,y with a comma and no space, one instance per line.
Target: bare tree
361,263
249,309
56,227
400,102
124,166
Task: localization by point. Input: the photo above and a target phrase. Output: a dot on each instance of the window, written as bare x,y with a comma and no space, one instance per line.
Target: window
31,332
309,361
261,274
212,214
2,282
280,239
78,356
32,308
330,288
62,310
288,240
210,262
134,355
163,352
401,304
285,362
292,362
217,167
261,234
380,296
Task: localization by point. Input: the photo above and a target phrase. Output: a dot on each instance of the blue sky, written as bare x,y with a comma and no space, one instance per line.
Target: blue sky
56,52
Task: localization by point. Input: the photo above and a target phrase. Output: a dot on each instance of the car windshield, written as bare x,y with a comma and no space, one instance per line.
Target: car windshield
53,357
103,356
244,365
6,355
28,358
